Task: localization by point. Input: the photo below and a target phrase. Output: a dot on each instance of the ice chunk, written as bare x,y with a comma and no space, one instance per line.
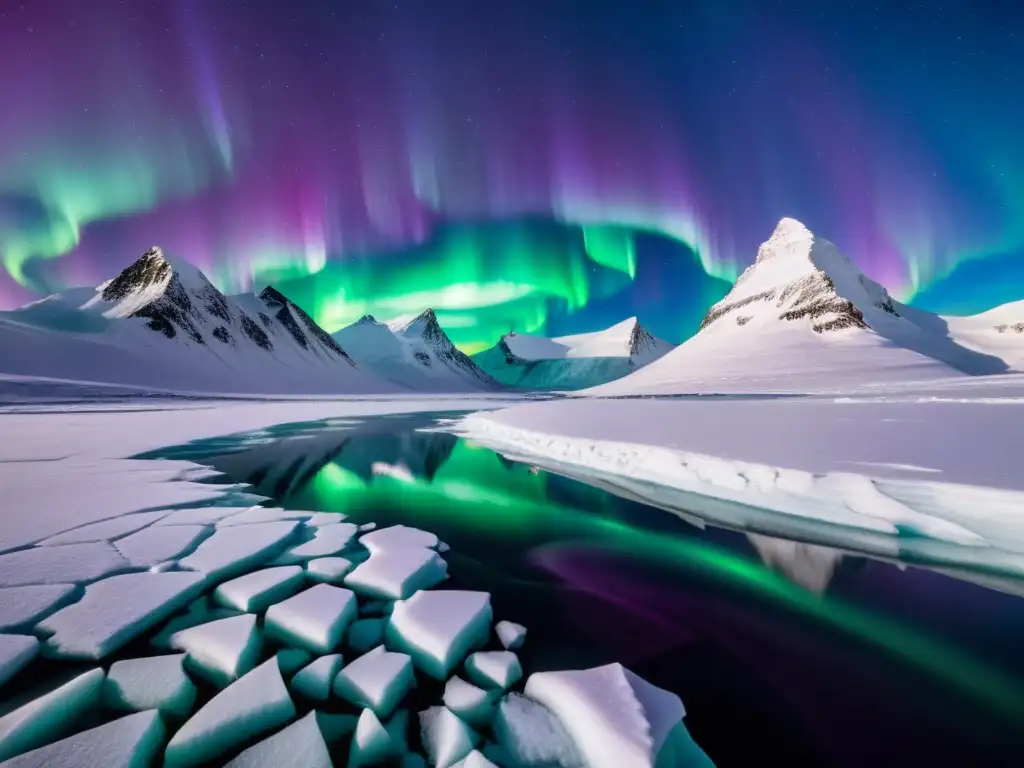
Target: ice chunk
156,545
194,618
42,720
680,749
396,537
314,619
258,515
438,628
25,605
376,608
130,742
257,591
300,744
231,551
365,634
334,727
367,527
221,651
398,731
377,680
475,760
157,682
511,635
446,738
328,569
327,540
472,704
371,743
314,681
494,669
255,704
316,519
15,652
442,547
394,574
531,734
60,565
198,516
291,660
106,530
615,717
115,610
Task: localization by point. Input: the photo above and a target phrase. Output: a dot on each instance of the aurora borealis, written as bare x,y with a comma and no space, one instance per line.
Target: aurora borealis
548,166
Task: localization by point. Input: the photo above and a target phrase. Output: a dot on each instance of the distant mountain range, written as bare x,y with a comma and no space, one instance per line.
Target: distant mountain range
572,362
804,318
801,318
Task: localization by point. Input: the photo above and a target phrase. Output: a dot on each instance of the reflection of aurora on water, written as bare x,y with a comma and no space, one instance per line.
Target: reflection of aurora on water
496,511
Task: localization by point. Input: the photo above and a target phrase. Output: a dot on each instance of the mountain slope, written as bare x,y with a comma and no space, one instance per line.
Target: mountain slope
998,332
572,362
804,318
161,323
417,354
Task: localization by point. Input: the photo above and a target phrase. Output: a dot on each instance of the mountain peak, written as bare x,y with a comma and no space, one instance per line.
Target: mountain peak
789,238
366,320
151,272
271,295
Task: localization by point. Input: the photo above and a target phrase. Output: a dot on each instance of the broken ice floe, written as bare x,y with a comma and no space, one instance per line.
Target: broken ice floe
129,742
221,651
25,605
371,743
254,705
364,634
511,635
447,738
328,569
471,703
314,680
106,530
438,628
116,610
397,536
532,735
494,669
300,744
394,574
60,565
376,680
235,550
151,546
156,682
315,619
257,591
327,540
15,652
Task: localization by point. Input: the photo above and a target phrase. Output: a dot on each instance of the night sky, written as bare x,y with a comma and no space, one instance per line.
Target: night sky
553,165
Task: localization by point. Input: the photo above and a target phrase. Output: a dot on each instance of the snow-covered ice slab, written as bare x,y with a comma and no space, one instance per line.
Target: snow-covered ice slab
327,540
198,516
151,546
106,530
316,519
300,744
328,569
396,536
234,550
511,635
223,650
394,574
155,682
614,717
15,652
376,680
130,742
49,716
314,619
531,734
255,704
314,680
438,628
201,612
446,738
471,703
116,610
494,669
364,634
257,515
257,591
25,605
371,743
60,565
334,727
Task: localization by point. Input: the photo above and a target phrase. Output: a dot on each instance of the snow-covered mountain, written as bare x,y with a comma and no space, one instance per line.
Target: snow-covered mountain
803,317
417,354
162,324
572,362
998,332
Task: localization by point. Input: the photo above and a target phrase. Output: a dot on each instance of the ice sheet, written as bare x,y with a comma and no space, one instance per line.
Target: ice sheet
157,545
234,550
59,565
300,744
129,742
24,605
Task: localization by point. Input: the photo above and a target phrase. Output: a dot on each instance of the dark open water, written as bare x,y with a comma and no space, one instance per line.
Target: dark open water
819,658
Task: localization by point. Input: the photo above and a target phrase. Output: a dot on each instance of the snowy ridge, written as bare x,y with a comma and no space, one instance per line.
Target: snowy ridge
417,354
802,317
161,323
572,362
